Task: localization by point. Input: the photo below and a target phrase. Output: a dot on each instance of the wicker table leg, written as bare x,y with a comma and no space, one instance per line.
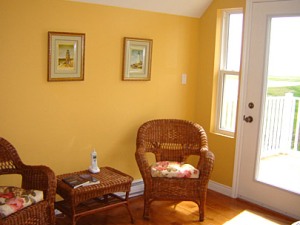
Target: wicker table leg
127,207
73,215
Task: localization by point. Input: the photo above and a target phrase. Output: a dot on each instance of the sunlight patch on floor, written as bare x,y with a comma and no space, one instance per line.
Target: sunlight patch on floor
249,218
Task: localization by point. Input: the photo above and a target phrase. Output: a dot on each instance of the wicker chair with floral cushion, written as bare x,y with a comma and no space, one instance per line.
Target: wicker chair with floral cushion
19,205
172,141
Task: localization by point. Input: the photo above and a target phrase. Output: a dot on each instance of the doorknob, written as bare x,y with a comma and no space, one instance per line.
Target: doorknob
248,119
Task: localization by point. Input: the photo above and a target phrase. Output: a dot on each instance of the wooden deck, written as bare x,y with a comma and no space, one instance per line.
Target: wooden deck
281,170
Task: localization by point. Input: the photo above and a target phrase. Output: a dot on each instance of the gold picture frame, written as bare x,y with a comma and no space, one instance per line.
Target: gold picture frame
66,56
137,59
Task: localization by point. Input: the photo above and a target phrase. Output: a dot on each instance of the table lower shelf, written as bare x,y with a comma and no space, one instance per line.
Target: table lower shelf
92,206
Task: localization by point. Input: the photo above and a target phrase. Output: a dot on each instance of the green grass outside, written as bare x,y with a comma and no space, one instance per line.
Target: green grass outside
287,78
280,91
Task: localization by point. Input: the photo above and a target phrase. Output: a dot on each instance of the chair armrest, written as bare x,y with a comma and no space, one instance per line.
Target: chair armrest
205,165
40,178
140,156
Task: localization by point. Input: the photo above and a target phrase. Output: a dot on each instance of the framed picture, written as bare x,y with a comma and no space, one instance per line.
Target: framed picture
65,56
137,59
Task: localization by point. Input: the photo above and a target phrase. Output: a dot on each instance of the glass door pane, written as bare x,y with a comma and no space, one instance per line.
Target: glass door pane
279,160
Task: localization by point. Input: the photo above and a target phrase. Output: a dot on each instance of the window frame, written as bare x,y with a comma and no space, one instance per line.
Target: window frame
222,71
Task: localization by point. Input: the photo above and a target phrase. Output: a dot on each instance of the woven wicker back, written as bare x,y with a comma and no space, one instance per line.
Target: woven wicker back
10,161
33,177
171,139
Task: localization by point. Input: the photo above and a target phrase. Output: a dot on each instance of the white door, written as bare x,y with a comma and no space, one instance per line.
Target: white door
252,181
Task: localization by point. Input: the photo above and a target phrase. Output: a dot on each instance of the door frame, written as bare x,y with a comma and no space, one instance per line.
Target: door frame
242,109
242,96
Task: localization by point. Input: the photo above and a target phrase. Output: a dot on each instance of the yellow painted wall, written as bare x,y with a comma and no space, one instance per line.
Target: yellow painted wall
59,123
223,147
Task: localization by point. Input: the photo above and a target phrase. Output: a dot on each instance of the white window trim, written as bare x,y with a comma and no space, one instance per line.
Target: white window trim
222,72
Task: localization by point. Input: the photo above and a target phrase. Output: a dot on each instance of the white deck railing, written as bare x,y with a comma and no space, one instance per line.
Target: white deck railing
281,125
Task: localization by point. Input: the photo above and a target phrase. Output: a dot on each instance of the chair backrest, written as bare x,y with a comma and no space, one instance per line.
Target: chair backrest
172,139
10,161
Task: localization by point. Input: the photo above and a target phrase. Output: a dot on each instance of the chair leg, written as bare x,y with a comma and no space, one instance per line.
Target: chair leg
201,217
201,212
52,215
146,209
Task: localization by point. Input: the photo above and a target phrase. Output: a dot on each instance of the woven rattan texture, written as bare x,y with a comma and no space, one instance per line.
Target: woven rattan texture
111,181
33,177
174,140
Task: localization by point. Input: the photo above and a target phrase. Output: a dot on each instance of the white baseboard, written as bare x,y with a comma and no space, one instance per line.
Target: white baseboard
137,188
221,188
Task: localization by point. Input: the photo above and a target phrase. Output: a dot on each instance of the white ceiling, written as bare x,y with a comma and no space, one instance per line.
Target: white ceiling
190,8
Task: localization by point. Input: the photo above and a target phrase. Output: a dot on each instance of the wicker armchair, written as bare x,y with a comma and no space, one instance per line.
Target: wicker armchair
174,140
33,177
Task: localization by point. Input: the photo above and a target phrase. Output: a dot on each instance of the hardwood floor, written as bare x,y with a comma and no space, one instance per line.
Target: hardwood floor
220,209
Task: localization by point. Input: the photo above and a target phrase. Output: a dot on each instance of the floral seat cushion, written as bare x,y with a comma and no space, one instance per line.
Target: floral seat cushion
173,169
13,199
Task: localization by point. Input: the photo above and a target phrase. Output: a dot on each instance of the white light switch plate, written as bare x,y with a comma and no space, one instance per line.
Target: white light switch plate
183,78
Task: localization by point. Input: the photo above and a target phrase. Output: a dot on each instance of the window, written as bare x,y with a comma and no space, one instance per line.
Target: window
229,71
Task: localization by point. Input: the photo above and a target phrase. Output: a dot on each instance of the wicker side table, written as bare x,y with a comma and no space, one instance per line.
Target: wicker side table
87,200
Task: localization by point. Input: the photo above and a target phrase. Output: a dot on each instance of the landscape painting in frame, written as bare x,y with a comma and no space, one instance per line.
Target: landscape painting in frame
137,59
65,56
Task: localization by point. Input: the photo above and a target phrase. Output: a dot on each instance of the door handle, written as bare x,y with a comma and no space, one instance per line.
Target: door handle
248,119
